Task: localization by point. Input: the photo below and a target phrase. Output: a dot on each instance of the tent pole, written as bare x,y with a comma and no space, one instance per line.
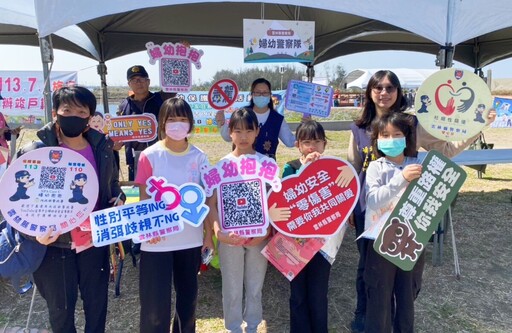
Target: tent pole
444,57
46,48
310,72
102,72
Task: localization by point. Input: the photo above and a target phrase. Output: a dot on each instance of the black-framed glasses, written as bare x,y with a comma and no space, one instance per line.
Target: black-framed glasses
261,93
379,89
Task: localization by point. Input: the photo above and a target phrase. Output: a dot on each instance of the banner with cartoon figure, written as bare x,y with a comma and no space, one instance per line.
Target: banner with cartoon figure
50,187
165,213
140,127
453,104
310,98
240,183
420,209
503,107
279,41
321,197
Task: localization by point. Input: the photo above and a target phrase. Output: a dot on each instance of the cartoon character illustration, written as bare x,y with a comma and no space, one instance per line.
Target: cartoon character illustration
97,122
425,101
24,182
399,240
479,113
77,186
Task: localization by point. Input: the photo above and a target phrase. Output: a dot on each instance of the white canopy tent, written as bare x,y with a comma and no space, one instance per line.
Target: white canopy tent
409,78
421,25
18,25
442,21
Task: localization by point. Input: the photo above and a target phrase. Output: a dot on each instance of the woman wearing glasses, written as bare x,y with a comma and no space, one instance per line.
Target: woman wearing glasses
383,95
272,125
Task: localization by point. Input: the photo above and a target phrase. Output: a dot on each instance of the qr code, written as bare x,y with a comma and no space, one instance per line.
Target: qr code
52,178
242,204
176,72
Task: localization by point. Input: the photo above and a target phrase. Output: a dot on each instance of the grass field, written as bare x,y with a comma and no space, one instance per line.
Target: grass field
480,301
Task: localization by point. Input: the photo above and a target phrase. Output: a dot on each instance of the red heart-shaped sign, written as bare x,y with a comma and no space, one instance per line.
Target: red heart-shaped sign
319,206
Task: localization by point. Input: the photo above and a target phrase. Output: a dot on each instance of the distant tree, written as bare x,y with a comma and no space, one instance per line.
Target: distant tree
337,79
245,77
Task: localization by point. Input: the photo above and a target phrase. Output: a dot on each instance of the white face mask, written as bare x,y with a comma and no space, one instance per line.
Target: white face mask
177,130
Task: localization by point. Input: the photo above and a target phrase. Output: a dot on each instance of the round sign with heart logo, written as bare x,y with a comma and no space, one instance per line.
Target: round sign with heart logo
321,197
453,104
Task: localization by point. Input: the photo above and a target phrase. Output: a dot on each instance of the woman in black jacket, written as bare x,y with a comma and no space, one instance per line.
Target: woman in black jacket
64,271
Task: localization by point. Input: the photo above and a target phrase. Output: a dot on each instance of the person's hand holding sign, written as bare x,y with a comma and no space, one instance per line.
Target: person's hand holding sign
491,117
230,238
411,172
220,118
49,237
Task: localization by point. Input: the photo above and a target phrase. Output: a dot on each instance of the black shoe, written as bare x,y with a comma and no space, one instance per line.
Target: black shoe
357,325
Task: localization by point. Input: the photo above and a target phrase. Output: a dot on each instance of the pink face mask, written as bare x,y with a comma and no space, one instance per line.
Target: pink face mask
177,130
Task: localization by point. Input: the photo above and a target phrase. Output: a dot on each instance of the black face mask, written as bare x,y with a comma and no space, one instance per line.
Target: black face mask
72,126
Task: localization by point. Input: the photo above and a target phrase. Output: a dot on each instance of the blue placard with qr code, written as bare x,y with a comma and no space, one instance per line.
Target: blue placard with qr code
50,187
241,192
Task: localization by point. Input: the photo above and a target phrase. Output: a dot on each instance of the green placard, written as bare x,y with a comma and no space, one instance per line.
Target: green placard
419,211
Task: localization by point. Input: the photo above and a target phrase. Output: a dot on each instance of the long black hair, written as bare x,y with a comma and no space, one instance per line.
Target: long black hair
369,110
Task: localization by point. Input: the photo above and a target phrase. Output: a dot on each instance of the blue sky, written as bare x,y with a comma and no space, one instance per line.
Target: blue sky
215,58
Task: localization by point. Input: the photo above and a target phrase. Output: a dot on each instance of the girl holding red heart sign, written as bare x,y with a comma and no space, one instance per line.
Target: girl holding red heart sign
308,299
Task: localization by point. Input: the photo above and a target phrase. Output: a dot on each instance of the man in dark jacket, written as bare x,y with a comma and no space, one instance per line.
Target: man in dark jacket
141,101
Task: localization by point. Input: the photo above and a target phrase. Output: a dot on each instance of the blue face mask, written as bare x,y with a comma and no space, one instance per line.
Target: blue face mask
391,147
261,101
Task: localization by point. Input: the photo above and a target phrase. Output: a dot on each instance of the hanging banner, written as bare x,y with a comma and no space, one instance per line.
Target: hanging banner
204,114
279,41
503,107
176,62
453,104
50,187
22,91
407,230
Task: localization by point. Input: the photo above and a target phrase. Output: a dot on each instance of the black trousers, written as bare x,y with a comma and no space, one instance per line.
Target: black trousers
58,279
362,245
308,299
157,272
391,293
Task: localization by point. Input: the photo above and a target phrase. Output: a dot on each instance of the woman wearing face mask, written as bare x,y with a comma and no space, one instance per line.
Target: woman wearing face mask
384,96
65,269
173,258
272,125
